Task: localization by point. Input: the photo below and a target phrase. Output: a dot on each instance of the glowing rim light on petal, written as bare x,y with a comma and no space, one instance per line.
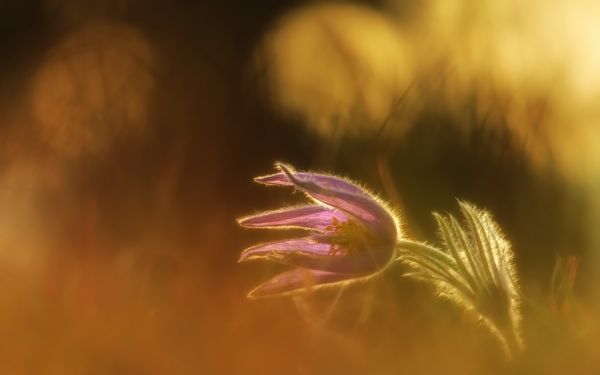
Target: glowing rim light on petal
351,234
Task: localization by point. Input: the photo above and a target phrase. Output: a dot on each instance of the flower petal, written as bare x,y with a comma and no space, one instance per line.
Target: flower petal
341,194
317,254
278,250
361,262
295,280
330,182
305,217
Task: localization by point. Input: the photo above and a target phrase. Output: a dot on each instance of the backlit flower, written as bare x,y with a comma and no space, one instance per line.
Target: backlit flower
350,236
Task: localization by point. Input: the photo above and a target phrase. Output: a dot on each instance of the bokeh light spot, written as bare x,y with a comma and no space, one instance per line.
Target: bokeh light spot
94,86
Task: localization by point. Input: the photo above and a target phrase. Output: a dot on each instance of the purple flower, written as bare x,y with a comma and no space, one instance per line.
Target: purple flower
351,234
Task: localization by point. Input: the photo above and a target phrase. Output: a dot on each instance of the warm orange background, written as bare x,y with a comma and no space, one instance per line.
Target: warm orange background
130,132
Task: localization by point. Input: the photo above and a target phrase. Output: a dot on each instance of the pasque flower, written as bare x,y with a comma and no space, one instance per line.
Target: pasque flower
351,235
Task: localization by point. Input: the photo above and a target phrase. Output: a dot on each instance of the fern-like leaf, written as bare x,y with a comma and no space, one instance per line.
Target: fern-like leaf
475,269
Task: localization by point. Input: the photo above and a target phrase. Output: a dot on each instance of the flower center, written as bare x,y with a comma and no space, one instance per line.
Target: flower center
347,237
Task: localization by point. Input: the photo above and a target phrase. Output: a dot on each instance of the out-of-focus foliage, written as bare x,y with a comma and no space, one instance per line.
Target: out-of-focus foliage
94,86
340,67
346,68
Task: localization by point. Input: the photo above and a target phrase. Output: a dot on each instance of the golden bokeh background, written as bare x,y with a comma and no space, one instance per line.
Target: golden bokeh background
130,132
93,86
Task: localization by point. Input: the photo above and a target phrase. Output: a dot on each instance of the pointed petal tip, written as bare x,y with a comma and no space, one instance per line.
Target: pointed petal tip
278,178
245,257
245,221
281,166
263,179
275,178
254,294
289,171
284,167
259,293
250,296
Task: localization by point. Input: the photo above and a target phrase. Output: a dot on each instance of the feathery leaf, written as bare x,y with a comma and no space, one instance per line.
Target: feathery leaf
474,269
